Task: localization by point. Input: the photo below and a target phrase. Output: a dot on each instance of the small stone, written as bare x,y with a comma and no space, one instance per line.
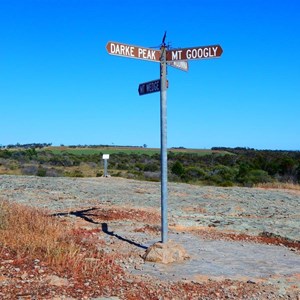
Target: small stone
57,281
8,261
24,276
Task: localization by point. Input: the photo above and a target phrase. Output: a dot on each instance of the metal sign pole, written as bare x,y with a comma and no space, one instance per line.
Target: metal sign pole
163,148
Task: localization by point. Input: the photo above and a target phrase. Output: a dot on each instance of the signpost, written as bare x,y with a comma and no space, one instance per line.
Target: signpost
163,146
149,87
177,58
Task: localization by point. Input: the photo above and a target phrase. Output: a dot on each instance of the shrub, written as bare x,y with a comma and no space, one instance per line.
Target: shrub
53,172
151,167
195,173
29,170
152,176
254,177
75,173
177,169
139,166
259,176
5,153
41,172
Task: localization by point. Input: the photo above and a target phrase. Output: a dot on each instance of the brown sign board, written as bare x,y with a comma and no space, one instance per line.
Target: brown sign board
131,51
179,64
202,52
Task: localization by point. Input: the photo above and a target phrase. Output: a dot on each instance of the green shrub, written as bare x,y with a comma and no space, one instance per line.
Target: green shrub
151,167
195,173
75,173
41,172
177,169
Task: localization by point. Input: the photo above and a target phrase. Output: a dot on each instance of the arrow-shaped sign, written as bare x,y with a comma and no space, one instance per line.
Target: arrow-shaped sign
149,87
179,64
131,51
202,52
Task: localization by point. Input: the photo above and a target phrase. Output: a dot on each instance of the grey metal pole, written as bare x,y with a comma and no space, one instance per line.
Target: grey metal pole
163,148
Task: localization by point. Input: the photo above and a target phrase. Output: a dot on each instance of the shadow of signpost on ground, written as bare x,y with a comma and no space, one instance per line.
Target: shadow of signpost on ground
111,233
86,215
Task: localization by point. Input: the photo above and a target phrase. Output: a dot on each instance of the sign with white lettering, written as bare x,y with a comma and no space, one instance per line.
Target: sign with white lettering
179,64
119,49
149,87
194,53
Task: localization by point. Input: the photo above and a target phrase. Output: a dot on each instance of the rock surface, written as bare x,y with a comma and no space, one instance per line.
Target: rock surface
243,243
166,253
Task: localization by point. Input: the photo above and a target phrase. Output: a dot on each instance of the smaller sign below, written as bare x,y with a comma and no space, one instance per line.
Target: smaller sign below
105,156
149,87
179,64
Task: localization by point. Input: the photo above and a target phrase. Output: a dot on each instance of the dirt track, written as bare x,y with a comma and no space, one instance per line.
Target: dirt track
231,233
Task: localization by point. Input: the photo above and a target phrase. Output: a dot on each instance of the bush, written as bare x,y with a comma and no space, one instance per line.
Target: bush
177,169
259,176
41,172
195,173
152,176
151,167
254,177
75,173
53,173
29,170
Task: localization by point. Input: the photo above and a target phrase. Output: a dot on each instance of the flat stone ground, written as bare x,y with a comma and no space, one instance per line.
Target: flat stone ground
202,219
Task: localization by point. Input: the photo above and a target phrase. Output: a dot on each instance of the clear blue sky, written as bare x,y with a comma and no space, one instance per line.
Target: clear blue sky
59,85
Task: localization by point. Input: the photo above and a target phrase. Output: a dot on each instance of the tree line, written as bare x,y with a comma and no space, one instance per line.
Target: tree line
236,166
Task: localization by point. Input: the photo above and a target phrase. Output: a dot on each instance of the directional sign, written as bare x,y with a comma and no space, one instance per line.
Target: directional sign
119,49
195,53
149,87
179,64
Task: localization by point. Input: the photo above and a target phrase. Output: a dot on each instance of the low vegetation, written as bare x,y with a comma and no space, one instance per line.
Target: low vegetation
33,234
218,166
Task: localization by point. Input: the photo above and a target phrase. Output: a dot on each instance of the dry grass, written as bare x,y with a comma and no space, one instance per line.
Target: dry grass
28,235
30,232
279,185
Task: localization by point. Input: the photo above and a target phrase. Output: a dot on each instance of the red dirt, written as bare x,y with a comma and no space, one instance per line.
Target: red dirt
28,278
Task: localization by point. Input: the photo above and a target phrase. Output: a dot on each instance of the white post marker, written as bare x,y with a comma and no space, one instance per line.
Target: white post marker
105,157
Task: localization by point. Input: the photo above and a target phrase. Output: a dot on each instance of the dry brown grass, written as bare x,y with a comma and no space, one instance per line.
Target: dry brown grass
32,233
279,185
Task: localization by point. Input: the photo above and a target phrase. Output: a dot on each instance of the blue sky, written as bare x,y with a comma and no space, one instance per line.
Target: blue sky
59,85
